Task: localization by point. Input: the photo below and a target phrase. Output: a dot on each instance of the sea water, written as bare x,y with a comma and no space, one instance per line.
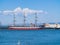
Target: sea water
30,37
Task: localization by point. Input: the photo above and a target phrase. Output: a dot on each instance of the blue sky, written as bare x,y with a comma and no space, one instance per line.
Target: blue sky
51,6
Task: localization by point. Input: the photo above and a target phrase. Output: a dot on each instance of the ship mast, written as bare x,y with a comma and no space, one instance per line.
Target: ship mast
14,20
0,23
35,19
24,19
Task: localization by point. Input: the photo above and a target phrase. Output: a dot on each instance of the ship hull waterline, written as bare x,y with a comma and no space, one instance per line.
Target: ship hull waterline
24,28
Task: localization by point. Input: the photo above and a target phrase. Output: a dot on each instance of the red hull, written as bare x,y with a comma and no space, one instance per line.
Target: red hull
25,28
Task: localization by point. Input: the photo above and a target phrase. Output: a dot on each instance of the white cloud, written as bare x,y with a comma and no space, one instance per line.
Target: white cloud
46,12
7,12
24,11
0,11
27,11
18,10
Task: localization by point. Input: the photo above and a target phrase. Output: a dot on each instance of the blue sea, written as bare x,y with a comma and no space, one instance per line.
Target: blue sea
30,37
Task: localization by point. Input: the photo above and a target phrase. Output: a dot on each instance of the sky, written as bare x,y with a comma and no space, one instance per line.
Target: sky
52,7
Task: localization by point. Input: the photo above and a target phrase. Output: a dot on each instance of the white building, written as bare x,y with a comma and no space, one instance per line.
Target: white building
52,25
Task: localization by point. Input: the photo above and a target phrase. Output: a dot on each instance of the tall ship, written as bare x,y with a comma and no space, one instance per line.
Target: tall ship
24,27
